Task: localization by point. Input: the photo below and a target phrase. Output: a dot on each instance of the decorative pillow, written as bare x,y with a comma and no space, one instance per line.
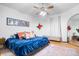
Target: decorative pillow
16,36
12,36
21,35
27,35
32,34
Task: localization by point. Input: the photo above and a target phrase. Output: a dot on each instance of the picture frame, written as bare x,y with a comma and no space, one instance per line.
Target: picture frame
17,22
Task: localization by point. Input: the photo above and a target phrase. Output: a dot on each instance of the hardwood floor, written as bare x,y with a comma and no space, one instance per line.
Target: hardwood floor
67,45
6,52
74,42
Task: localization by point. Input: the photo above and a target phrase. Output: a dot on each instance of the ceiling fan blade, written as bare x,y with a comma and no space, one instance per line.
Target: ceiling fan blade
36,7
50,7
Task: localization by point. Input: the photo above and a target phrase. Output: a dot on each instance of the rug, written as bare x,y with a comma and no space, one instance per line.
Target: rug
52,50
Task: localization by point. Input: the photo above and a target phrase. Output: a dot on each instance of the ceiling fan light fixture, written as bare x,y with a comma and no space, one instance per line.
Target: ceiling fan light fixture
43,13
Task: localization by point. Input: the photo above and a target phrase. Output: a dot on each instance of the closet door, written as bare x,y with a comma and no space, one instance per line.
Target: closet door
55,28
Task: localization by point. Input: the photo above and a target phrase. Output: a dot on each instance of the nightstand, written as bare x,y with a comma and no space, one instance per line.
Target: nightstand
2,42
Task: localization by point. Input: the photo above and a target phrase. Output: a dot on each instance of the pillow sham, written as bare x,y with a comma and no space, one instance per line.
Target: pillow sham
21,35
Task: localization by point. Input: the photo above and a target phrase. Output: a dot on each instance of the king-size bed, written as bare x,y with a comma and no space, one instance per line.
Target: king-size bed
25,47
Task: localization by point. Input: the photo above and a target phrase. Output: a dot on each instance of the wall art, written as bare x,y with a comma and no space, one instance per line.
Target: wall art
16,22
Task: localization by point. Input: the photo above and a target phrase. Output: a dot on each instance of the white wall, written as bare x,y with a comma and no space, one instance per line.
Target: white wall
6,31
64,19
45,30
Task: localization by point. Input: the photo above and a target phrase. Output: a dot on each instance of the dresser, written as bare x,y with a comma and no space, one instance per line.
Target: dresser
2,41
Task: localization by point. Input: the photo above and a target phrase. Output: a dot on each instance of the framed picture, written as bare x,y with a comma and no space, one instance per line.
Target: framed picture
16,22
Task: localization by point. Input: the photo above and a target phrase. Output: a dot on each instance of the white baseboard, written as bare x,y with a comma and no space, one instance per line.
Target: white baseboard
54,38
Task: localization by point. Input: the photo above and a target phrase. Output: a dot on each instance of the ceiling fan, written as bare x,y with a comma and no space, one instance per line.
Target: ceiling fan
44,8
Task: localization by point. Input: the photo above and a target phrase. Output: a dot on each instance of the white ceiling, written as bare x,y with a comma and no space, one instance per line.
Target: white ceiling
27,8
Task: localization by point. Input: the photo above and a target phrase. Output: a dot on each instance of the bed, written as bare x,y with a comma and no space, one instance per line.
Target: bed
26,46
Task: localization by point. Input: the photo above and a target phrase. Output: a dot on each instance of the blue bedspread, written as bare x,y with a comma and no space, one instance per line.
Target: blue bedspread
24,47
